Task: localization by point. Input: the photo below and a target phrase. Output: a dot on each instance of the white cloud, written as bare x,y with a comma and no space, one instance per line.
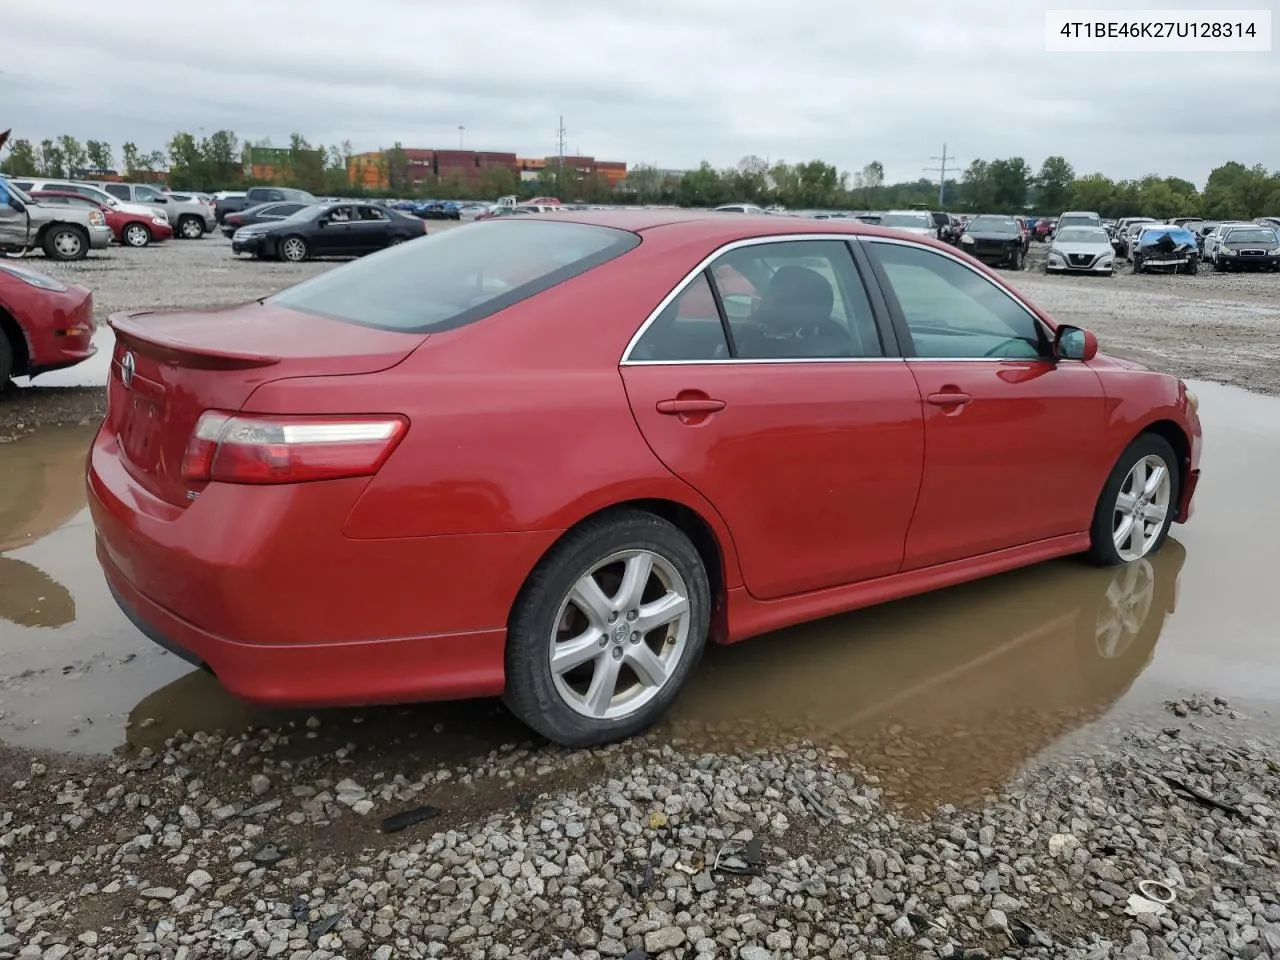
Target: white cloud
670,82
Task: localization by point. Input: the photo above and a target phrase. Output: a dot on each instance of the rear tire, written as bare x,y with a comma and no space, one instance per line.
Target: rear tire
190,228
293,249
65,243
630,682
1122,500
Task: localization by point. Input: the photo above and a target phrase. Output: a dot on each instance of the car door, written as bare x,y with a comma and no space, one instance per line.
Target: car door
1011,435
784,404
334,239
370,229
13,222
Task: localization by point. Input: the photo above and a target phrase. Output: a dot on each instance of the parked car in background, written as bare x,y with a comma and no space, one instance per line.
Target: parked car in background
1272,222
227,201
1081,250
1211,240
328,230
740,208
407,413
1164,248
997,240
191,219
1248,247
917,222
130,229
1078,218
62,232
1126,231
262,213
45,324
96,194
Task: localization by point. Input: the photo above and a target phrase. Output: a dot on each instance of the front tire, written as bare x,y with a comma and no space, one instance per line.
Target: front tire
607,629
1016,264
1137,503
136,235
294,249
6,362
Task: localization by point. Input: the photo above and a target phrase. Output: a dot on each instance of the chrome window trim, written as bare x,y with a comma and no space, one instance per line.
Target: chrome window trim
711,258
1010,293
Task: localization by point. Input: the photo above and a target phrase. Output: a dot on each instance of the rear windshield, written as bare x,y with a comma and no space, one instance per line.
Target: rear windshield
454,277
1079,220
905,220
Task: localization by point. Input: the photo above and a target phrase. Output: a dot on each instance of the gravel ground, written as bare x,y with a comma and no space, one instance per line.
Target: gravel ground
275,843
1220,327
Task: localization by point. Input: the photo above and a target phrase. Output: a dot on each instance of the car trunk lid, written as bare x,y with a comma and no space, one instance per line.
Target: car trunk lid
169,367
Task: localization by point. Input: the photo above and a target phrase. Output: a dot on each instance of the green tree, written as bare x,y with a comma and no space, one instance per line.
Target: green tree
1053,185
99,155
221,156
22,161
1009,180
498,182
977,189
704,187
749,181
1093,192
53,162
74,158
186,161
130,157
645,183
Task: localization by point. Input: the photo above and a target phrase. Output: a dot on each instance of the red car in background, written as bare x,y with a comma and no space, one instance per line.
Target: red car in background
543,458
45,324
130,229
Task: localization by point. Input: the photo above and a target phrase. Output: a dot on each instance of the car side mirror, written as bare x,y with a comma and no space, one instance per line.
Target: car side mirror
17,204
1074,343
161,200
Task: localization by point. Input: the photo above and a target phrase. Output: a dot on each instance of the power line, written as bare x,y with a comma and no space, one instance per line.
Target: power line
941,171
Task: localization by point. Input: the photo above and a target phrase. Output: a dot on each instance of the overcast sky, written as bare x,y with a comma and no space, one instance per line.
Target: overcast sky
668,82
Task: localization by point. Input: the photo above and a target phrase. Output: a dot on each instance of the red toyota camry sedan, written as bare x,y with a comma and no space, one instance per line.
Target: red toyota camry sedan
45,324
551,457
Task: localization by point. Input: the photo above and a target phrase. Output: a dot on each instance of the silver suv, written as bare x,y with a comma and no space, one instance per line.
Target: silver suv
63,233
191,219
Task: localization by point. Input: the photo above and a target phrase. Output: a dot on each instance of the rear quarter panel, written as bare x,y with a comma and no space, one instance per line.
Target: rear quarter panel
519,421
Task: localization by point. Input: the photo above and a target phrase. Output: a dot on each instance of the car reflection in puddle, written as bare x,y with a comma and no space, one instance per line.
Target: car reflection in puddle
948,695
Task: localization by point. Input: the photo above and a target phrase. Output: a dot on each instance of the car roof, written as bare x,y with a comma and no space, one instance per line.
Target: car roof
708,226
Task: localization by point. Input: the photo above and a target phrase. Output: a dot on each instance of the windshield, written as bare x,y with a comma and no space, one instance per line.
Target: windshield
1248,235
1078,220
20,194
448,279
993,225
905,220
1083,235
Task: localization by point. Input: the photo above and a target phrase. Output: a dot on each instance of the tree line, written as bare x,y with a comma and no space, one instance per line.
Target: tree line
1008,185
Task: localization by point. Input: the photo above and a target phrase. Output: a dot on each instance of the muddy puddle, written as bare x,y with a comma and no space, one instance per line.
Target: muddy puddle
944,695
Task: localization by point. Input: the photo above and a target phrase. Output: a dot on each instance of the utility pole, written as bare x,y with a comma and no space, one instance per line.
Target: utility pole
941,171
561,133
461,131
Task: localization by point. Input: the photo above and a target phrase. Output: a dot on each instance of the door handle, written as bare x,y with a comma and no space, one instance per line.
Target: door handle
692,405
948,399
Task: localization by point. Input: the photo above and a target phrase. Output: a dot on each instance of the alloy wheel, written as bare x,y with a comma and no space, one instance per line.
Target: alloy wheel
1125,607
620,634
1141,507
68,243
294,249
135,235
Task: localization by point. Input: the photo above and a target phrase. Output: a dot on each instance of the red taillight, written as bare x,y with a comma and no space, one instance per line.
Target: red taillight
228,448
233,218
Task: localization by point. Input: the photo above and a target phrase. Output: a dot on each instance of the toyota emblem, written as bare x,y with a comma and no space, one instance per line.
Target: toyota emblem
127,368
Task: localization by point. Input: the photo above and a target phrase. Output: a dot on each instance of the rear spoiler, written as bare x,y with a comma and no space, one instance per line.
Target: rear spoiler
165,343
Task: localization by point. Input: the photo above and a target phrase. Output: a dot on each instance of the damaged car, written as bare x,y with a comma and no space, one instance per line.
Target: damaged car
1081,250
998,241
1165,248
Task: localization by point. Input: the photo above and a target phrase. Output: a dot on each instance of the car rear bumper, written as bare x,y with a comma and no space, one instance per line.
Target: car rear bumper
260,585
